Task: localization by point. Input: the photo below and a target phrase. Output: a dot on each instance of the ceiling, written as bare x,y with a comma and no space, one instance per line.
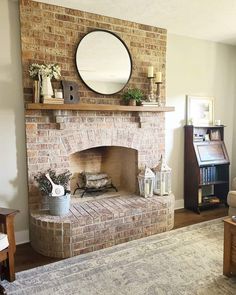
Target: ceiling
213,20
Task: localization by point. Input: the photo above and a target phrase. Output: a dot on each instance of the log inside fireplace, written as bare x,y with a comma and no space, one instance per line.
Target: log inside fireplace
89,182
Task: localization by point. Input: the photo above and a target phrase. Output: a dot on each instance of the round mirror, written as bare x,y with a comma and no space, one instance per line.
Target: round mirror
103,62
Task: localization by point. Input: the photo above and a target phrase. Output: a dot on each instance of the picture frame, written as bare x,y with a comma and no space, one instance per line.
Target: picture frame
200,110
215,135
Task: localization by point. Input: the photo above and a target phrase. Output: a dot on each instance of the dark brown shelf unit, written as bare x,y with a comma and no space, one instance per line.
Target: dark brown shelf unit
213,183
206,167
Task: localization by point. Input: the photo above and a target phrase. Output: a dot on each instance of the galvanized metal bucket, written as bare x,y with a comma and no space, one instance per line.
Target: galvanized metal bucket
59,206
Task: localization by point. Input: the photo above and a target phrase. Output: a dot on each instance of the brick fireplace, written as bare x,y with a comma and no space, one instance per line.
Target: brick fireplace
68,140
84,141
92,139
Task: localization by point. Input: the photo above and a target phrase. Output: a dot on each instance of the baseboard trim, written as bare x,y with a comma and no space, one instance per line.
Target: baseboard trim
22,237
179,204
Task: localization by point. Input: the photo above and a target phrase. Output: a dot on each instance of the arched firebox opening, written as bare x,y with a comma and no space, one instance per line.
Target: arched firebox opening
120,164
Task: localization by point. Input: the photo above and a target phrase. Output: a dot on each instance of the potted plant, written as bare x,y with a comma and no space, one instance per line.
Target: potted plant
55,186
133,96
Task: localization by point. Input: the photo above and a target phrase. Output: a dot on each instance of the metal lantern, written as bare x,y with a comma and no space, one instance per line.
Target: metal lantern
146,179
162,178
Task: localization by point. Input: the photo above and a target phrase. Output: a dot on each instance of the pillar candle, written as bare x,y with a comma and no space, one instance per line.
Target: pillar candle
162,190
150,72
147,192
158,78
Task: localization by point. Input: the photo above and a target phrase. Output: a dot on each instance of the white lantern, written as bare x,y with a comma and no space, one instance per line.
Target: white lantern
162,178
146,180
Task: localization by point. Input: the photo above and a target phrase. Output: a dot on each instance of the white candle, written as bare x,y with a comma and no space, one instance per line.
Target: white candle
158,78
146,189
162,188
150,72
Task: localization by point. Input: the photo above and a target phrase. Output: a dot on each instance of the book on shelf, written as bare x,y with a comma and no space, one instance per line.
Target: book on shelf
211,199
50,100
36,92
199,196
208,174
198,139
150,103
208,190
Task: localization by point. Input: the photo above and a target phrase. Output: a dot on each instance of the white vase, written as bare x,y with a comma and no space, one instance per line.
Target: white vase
46,90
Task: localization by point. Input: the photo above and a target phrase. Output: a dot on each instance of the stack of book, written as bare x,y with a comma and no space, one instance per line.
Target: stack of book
208,174
211,199
50,100
36,92
198,138
150,103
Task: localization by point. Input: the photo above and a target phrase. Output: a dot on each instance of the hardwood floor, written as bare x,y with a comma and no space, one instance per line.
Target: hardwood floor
27,258
185,217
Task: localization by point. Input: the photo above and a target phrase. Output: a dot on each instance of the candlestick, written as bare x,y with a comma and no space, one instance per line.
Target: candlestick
150,72
158,95
151,94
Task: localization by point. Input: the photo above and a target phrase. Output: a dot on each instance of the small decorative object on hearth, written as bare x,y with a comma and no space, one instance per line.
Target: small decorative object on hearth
44,73
162,178
146,180
55,187
133,96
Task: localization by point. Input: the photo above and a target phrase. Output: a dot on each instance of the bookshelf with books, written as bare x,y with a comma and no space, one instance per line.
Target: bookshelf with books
206,165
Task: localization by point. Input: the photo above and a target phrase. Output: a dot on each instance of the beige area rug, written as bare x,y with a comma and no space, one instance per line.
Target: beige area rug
183,261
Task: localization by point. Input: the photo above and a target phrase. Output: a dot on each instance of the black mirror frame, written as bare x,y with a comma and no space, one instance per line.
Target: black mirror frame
131,62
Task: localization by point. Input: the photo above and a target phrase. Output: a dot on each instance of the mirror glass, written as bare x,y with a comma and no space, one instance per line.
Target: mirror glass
103,62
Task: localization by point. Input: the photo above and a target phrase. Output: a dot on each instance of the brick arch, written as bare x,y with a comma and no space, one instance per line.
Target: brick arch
79,140
97,146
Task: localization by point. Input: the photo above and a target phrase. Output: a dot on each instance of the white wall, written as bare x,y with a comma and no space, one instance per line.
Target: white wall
197,67
233,164
13,183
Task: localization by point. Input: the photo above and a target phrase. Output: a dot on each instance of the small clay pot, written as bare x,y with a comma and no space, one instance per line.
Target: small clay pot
132,102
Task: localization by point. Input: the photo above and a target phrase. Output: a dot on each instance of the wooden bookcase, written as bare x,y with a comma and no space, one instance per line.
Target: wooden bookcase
206,167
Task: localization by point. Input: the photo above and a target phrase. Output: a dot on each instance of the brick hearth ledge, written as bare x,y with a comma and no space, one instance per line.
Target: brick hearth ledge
100,224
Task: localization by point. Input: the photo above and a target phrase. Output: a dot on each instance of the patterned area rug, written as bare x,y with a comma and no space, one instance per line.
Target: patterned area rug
183,261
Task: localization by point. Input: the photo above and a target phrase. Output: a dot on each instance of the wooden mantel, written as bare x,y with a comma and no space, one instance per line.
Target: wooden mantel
97,107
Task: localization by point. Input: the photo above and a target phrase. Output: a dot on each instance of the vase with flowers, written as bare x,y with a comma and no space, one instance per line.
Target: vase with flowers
44,73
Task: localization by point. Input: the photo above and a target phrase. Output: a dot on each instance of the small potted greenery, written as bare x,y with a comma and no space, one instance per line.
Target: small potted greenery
133,96
55,186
